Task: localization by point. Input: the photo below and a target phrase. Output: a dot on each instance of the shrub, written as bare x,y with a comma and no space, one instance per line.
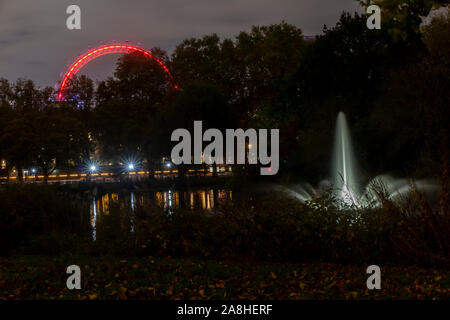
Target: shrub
28,211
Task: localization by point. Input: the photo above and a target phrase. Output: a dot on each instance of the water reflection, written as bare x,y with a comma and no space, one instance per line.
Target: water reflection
94,218
204,199
132,200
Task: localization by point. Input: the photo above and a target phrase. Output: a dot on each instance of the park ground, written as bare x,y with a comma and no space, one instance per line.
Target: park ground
152,278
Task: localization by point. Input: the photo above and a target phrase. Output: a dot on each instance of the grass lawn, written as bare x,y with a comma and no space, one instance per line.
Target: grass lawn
40,277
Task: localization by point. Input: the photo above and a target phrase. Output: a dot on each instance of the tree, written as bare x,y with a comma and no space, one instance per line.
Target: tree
35,132
27,97
6,93
136,79
19,103
403,17
416,99
18,144
80,92
197,59
244,70
6,96
204,102
61,140
267,55
128,107
118,129
436,36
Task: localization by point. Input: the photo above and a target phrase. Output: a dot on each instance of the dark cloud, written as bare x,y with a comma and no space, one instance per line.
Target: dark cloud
35,62
36,30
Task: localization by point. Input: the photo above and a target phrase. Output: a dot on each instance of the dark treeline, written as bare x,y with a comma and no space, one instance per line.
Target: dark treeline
393,86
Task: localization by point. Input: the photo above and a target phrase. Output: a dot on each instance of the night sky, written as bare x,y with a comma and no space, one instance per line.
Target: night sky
35,43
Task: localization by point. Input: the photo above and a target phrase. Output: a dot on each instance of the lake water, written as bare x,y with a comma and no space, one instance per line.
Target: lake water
198,199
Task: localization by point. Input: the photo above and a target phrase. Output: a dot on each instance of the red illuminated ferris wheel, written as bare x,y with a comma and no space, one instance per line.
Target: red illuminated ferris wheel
94,53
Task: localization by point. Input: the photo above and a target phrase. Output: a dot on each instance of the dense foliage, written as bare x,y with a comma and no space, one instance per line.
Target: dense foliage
261,227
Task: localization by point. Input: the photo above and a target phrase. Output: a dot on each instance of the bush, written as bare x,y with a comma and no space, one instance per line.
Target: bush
277,229
266,227
29,211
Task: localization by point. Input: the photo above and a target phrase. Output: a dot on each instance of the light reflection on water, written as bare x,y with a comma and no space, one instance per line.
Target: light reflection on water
205,199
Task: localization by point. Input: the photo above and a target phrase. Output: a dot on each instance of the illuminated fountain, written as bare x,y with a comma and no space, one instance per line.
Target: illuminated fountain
346,181
345,170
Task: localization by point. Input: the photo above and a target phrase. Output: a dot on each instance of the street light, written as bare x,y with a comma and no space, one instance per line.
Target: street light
93,168
130,166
